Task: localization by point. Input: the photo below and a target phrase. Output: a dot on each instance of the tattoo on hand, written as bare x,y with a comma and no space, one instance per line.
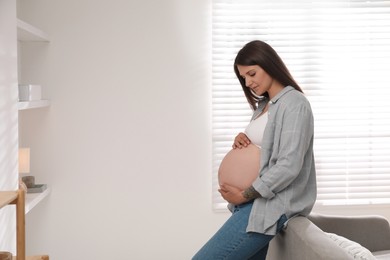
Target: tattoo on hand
251,193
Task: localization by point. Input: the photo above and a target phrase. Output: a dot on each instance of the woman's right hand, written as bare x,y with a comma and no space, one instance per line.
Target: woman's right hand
240,141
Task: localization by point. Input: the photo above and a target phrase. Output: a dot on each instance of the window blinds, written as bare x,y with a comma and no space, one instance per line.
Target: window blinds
339,53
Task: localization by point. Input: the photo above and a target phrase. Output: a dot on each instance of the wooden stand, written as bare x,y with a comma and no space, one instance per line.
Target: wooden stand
18,198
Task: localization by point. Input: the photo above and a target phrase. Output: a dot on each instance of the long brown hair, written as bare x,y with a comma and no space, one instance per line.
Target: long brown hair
261,54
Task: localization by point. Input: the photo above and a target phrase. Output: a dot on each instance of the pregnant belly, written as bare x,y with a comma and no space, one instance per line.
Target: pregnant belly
240,167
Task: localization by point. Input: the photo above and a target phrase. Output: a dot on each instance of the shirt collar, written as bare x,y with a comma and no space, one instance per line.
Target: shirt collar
263,102
281,93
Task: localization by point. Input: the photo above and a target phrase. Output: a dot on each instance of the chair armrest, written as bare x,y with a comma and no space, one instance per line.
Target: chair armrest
302,240
372,232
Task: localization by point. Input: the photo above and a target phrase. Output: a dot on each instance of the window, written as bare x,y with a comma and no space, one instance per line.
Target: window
339,53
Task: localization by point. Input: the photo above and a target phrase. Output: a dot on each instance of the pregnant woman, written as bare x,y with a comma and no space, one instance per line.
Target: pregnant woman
284,184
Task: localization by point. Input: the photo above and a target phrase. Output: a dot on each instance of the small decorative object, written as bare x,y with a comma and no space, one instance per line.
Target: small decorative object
5,255
29,92
29,181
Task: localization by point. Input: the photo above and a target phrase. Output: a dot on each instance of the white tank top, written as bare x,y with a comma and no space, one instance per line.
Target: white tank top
255,129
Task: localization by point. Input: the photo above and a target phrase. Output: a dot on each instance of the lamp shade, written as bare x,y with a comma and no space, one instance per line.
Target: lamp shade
24,160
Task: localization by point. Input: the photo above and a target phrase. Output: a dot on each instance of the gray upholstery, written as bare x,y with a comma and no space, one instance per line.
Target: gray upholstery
372,232
304,238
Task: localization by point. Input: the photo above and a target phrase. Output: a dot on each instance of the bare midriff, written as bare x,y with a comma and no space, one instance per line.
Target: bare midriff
240,167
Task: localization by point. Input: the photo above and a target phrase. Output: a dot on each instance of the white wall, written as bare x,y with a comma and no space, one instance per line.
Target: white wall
126,143
8,120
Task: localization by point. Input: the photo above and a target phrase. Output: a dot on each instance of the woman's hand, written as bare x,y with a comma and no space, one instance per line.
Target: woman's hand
240,141
232,194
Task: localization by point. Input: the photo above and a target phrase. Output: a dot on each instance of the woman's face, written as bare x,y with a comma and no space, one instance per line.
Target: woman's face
256,79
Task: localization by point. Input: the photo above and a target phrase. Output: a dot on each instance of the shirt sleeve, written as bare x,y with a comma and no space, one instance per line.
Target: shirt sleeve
296,133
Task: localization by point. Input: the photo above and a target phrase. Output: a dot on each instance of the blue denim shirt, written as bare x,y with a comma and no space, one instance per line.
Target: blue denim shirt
287,181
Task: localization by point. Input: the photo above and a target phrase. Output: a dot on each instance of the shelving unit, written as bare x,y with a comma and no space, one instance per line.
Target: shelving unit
29,33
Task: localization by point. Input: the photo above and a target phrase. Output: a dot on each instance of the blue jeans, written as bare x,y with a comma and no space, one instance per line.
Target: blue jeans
232,242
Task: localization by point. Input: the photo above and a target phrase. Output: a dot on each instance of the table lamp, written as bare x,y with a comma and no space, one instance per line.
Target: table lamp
26,181
24,169
24,161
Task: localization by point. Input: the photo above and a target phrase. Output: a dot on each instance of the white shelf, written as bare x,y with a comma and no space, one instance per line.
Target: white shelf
33,104
32,199
29,33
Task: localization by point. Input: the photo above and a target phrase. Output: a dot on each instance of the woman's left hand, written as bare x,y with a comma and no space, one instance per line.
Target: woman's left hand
232,194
